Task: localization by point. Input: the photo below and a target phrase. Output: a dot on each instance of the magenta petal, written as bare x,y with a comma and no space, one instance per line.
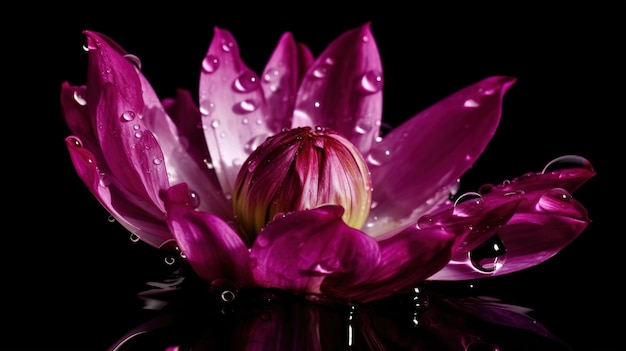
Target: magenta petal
281,78
343,89
407,259
296,252
211,246
134,213
440,144
232,107
543,224
74,103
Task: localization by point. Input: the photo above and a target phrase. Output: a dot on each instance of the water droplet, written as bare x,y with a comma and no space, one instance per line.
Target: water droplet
79,96
471,103
207,107
210,63
138,134
468,204
328,266
193,198
254,142
225,289
421,302
76,142
246,82
128,116
565,162
489,256
425,222
134,238
363,127
245,106
157,161
378,156
320,72
134,60
215,123
555,200
227,46
169,260
372,81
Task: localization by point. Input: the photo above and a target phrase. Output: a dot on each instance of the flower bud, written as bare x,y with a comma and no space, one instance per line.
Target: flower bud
299,169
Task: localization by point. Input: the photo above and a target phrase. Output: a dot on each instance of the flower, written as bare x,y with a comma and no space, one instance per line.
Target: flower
167,170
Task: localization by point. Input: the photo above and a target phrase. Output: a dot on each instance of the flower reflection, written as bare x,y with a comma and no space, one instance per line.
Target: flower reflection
426,319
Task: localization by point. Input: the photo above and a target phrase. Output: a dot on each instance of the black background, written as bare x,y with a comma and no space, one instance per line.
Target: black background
71,276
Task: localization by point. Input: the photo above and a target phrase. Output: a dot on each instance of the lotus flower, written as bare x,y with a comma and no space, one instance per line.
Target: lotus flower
284,180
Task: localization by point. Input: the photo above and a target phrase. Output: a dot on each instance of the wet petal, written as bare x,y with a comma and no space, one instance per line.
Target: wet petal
343,89
138,216
296,252
440,144
407,258
74,103
211,246
232,107
281,78
543,224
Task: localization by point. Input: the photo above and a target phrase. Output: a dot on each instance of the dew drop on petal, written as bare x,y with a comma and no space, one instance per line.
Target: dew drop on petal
567,161
134,238
554,200
489,256
254,142
76,142
471,103
225,289
245,106
128,116
207,107
320,72
363,127
157,161
378,157
227,46
246,82
138,134
79,96
472,204
134,60
372,81
210,63
425,222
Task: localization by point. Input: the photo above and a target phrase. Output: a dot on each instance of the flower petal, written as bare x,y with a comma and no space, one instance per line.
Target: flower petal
440,143
407,259
138,216
281,78
211,246
343,89
232,107
547,220
296,252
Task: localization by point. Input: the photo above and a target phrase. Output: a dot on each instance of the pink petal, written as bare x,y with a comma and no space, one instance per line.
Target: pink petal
343,89
138,216
547,220
211,246
232,107
407,259
418,163
281,79
298,251
74,103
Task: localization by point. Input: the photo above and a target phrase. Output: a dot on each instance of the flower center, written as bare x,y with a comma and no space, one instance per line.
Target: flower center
300,169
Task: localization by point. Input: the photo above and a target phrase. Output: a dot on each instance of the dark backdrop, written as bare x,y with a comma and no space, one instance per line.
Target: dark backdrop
73,275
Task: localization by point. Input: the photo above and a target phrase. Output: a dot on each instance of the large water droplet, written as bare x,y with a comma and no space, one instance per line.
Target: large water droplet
372,81
79,95
134,60
471,103
565,162
378,156
207,107
468,204
246,82
128,116
246,106
489,256
555,200
210,63
193,198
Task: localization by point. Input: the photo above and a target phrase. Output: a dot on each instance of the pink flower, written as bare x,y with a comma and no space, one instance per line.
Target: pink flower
369,216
